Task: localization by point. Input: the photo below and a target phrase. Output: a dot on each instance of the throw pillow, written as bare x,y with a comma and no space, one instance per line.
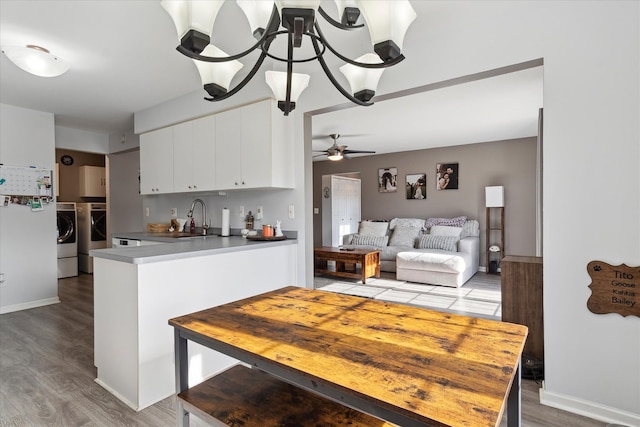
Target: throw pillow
373,228
438,241
446,230
453,222
404,236
406,222
366,240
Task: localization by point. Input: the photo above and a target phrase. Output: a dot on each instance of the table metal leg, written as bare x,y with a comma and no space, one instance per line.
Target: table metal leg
514,413
182,376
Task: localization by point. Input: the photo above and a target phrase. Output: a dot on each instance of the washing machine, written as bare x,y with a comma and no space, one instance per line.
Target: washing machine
92,232
67,230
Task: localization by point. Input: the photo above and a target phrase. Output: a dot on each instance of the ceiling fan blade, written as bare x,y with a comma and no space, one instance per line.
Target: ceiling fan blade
358,151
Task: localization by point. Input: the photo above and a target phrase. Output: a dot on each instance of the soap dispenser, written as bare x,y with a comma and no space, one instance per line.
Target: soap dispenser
192,226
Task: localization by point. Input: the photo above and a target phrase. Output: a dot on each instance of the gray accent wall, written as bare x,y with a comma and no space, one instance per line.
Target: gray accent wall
511,164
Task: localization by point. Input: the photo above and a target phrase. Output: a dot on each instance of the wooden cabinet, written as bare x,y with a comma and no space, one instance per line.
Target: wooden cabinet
494,238
156,161
521,282
194,155
253,148
92,181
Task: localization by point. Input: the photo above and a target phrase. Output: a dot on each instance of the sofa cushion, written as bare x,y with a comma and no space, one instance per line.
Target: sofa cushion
368,240
404,236
388,253
373,228
454,222
470,228
446,230
439,241
433,260
406,222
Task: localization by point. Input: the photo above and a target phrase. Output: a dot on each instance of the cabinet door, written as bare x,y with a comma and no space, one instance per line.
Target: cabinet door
204,154
156,162
92,181
256,144
183,157
228,157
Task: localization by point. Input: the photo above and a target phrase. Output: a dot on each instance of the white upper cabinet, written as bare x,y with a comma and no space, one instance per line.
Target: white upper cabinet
93,181
156,161
194,155
247,147
253,148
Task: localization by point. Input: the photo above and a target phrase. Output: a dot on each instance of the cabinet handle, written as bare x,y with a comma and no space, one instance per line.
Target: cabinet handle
189,186
242,182
236,183
195,187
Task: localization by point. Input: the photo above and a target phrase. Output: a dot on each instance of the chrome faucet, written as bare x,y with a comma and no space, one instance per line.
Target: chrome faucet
205,226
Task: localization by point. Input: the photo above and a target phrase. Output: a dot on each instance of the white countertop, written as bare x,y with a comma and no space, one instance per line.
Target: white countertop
179,248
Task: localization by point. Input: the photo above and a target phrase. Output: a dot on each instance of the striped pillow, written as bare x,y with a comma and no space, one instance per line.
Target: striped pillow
437,241
367,240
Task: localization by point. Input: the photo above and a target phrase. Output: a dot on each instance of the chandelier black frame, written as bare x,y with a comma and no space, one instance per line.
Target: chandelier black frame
297,22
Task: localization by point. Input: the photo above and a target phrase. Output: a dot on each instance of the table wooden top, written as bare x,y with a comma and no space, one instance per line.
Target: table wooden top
434,368
332,250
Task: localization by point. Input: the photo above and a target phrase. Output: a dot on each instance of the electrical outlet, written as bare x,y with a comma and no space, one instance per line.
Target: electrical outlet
241,211
146,211
291,212
174,212
259,212
316,211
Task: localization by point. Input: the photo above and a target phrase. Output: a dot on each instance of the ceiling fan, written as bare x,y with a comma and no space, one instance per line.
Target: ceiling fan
338,152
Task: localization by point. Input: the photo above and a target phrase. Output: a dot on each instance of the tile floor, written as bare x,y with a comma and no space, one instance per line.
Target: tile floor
479,297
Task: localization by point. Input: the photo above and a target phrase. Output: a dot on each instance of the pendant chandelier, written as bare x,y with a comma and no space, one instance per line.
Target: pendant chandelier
386,20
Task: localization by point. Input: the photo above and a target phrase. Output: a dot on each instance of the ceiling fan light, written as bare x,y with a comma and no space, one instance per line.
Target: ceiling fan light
216,76
193,20
388,22
363,81
36,60
335,156
258,13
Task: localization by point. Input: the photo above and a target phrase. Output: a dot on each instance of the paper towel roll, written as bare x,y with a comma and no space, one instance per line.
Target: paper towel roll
225,222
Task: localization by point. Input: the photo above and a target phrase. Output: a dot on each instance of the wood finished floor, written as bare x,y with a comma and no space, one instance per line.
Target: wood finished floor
47,373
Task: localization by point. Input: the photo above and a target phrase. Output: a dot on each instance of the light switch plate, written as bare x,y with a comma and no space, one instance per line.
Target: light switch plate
291,212
241,211
259,212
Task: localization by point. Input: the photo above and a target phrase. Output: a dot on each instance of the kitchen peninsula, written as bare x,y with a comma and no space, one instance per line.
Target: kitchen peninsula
137,289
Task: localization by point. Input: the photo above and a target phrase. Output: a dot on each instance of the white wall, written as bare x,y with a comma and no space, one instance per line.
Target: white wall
591,53
81,140
125,201
28,253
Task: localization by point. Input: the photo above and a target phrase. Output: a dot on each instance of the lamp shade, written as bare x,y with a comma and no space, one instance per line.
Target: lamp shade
36,60
494,196
258,13
218,74
388,22
363,81
277,81
193,16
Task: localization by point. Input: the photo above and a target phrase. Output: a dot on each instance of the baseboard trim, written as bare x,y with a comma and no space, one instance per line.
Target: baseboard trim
28,305
588,409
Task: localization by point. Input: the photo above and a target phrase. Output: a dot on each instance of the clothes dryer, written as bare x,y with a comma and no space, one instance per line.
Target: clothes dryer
67,239
92,232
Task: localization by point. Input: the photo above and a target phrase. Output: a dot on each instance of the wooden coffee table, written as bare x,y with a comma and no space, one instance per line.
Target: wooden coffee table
370,261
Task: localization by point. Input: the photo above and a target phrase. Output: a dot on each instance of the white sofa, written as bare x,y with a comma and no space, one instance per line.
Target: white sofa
436,251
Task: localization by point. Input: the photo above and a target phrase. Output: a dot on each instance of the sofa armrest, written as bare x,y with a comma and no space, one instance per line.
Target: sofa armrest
470,245
347,238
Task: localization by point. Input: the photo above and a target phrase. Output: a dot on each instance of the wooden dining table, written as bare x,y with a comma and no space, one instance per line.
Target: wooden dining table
407,365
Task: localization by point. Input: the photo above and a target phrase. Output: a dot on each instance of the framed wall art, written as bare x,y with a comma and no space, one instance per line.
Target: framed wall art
388,180
447,176
416,186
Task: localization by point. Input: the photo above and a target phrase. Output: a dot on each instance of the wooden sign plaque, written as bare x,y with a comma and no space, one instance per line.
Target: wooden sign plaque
614,289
